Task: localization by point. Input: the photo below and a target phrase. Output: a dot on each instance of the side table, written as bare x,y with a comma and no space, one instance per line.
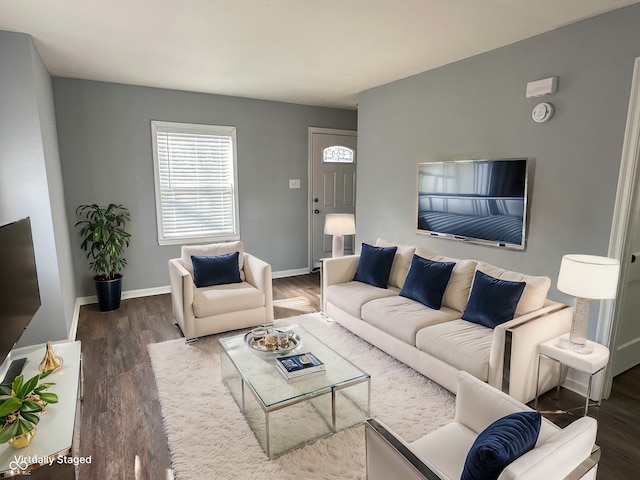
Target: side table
593,363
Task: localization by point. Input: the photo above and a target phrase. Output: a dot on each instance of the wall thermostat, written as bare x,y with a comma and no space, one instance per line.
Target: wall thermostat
542,112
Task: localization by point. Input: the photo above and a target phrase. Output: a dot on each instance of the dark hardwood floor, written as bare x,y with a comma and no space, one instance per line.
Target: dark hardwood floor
121,426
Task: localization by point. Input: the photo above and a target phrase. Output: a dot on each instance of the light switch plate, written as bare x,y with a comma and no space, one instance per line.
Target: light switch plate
294,183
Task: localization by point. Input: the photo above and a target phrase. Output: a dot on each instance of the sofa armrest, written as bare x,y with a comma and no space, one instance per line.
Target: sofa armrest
336,270
570,454
258,273
518,343
499,355
181,296
339,270
388,456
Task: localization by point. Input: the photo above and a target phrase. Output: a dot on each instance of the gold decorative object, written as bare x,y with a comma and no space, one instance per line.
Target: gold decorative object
51,360
23,440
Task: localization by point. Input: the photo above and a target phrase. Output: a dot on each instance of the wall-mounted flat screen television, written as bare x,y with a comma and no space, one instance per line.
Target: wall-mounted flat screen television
19,292
480,201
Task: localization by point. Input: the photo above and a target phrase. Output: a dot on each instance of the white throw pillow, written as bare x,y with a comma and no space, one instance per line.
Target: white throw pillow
401,261
457,292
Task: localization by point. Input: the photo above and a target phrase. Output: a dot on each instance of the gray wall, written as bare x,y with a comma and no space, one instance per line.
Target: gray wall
105,147
31,180
476,108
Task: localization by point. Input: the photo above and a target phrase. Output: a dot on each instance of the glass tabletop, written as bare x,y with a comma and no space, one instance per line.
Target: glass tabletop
259,369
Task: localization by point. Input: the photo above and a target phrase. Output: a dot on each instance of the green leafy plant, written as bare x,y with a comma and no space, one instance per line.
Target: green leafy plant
21,405
104,238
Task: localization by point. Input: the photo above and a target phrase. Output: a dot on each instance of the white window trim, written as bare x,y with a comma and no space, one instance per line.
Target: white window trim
214,130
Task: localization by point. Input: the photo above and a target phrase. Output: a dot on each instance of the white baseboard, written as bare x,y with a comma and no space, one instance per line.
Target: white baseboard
74,321
143,292
290,273
578,383
147,292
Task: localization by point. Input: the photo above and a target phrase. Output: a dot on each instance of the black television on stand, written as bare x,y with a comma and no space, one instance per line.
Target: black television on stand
478,201
19,291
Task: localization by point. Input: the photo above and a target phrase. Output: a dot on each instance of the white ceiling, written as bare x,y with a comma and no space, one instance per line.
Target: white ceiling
301,51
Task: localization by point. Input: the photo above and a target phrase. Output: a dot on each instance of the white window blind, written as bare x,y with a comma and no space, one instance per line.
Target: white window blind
195,175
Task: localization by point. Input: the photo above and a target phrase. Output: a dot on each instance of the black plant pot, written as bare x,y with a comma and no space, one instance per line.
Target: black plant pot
109,292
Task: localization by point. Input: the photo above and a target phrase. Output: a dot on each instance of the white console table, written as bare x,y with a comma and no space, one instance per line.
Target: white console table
53,442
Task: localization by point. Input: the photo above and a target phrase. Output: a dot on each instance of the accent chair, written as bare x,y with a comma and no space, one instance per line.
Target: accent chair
444,454
219,287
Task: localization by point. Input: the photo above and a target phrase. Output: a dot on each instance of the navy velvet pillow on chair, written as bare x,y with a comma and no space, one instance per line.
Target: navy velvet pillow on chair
374,265
426,281
500,444
216,270
492,301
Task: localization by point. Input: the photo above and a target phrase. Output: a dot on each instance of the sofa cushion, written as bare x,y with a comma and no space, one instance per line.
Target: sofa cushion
535,293
215,270
427,281
461,344
459,286
401,261
351,296
501,443
212,249
221,299
402,317
446,448
492,301
374,265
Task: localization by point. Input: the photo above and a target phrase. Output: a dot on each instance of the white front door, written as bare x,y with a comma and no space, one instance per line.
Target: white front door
333,185
627,344
622,323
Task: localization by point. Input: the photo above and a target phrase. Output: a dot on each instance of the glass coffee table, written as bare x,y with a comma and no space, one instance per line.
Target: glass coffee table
285,416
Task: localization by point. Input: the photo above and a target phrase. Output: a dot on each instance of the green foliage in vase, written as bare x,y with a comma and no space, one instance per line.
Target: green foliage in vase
21,405
104,238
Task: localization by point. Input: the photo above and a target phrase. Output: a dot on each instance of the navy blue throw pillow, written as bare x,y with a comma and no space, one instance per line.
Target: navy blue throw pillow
426,281
215,270
374,265
492,301
500,444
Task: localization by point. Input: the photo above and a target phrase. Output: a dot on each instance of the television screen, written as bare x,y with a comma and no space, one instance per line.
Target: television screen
481,201
19,292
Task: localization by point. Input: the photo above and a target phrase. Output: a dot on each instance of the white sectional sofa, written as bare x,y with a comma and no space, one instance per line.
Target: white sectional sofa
438,342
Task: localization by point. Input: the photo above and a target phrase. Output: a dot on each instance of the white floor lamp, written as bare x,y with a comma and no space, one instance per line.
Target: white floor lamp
586,277
338,225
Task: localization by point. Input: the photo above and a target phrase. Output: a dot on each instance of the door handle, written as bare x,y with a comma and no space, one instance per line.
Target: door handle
316,211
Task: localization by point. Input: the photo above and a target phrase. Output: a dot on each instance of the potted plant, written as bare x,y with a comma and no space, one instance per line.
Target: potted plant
104,238
21,404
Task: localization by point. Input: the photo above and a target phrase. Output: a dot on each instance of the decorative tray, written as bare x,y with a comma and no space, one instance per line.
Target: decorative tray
263,345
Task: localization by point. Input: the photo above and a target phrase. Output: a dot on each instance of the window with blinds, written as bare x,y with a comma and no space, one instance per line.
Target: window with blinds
195,180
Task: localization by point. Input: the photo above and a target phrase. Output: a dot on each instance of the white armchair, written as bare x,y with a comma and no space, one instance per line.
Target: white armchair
568,453
220,308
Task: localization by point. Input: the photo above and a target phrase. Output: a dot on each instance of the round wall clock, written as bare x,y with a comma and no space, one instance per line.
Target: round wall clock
542,112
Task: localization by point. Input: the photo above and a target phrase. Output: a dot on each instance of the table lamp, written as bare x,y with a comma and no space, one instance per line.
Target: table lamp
338,225
586,277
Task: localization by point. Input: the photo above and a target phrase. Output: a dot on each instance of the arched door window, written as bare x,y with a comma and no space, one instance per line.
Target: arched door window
338,154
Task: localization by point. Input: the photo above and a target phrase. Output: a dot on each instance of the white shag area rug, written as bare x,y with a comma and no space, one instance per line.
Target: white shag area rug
209,438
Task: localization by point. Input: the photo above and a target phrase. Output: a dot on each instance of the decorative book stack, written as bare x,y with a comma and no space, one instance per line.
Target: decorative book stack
300,366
